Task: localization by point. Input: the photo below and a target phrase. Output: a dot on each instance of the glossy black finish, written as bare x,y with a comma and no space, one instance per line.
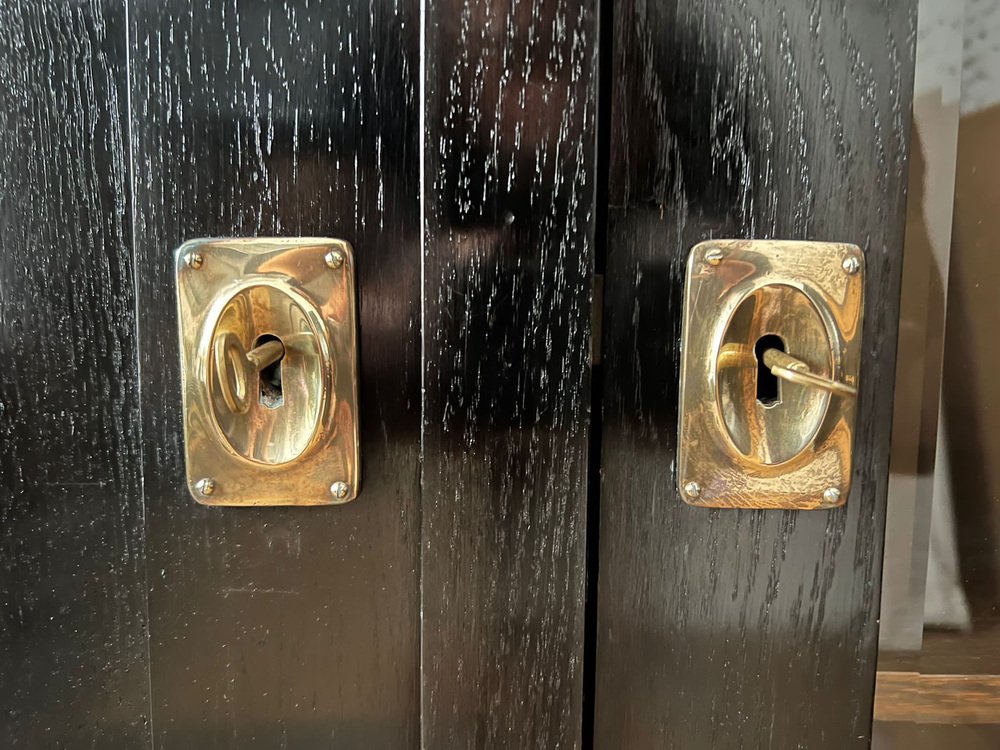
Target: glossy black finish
726,628
509,195
278,627
72,632
283,627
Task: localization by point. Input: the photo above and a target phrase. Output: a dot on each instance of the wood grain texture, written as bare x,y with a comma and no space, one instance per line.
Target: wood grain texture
937,698
762,119
73,669
509,161
283,627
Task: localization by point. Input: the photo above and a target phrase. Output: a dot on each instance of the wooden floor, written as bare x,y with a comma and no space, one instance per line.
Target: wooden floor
937,698
950,652
946,695
910,736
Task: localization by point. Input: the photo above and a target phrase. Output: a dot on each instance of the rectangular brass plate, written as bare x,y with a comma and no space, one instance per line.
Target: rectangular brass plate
256,431
747,440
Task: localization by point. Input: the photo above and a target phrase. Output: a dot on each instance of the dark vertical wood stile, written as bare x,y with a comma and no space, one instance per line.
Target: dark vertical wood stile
509,144
72,632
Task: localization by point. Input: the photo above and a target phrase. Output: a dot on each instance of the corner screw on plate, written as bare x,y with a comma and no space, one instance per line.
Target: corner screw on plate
194,260
851,264
713,257
692,489
831,496
339,490
334,258
205,486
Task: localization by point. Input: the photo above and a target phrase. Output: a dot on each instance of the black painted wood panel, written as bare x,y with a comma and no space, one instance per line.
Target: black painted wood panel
509,162
283,627
787,119
73,669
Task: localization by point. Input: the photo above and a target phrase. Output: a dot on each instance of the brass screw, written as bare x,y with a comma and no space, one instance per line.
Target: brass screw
713,257
851,264
205,486
334,259
831,495
692,489
339,490
194,260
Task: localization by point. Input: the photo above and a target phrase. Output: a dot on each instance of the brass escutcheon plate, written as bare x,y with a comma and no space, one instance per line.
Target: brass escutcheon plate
771,349
269,370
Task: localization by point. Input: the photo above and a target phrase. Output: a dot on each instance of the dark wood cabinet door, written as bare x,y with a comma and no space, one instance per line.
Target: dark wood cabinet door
789,120
273,627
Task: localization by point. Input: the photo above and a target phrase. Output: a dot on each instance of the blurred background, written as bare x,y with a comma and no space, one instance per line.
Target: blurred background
939,641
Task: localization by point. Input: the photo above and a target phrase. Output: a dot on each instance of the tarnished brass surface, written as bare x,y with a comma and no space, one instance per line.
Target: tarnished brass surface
793,451
245,305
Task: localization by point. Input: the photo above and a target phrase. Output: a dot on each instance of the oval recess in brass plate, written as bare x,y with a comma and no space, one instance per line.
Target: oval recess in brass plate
278,429
770,359
775,430
268,355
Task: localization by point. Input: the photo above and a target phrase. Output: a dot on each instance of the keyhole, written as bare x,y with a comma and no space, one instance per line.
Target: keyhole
768,385
271,395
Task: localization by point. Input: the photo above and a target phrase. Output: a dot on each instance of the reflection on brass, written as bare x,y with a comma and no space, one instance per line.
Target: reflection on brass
754,309
269,371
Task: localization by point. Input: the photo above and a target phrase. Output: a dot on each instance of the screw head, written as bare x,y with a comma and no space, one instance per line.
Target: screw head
205,486
334,259
194,260
692,489
714,257
339,490
831,495
851,264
